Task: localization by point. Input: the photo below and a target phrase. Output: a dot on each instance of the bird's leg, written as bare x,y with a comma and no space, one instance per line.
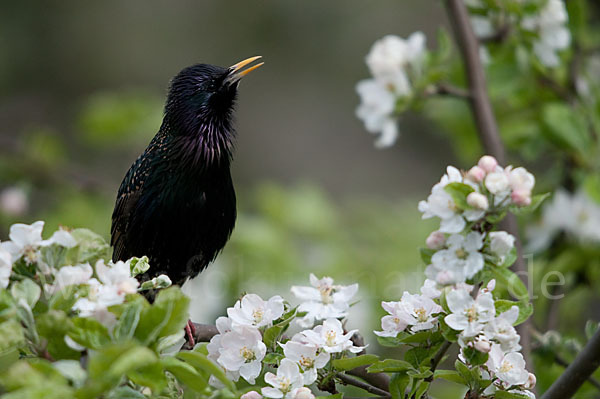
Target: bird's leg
190,331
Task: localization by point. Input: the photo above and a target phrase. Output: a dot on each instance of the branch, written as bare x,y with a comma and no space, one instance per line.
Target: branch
204,332
487,128
362,385
584,365
379,380
447,89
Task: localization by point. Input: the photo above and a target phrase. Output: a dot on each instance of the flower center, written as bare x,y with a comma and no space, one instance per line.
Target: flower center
461,253
30,254
471,314
326,294
330,338
258,315
396,320
284,384
306,362
421,315
505,367
247,354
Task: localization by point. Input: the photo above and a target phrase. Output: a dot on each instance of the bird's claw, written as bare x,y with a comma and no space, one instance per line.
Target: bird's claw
190,331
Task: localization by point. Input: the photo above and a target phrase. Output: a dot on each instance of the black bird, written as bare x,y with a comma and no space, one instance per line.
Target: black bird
176,204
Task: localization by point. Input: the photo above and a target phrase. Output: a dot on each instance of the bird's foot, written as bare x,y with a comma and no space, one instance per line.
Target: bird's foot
190,331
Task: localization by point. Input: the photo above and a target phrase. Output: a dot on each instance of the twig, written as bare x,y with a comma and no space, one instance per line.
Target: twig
452,91
440,355
584,365
562,362
487,128
204,332
379,380
362,385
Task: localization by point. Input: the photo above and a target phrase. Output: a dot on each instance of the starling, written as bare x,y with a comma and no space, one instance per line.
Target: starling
176,203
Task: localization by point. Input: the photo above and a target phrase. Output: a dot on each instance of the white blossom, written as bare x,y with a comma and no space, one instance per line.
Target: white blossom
284,384
70,275
497,183
419,311
501,330
307,356
429,289
509,368
501,243
460,260
440,204
251,395
553,34
302,393
24,241
323,300
469,315
394,322
5,267
252,310
575,214
331,338
242,350
376,110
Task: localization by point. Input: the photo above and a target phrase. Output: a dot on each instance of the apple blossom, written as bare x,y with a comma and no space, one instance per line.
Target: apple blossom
469,315
501,330
70,275
509,368
429,289
5,267
476,174
307,356
419,311
252,310
323,300
376,111
287,380
251,395
501,243
497,183
393,323
24,241
462,257
440,204
478,201
331,338
521,197
488,163
550,23
435,240
242,350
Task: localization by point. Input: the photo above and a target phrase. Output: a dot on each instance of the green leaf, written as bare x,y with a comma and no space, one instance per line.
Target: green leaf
515,286
125,393
179,315
12,335
151,376
89,332
536,201
273,358
398,385
350,363
71,370
566,127
389,366
474,357
418,356
508,395
271,335
139,265
449,375
417,338
90,248
591,184
423,386
525,309
185,373
128,321
426,255
464,372
459,192
201,362
26,290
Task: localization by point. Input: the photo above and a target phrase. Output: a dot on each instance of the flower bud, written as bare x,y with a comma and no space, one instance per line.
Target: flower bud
476,174
435,240
521,179
496,182
482,344
531,380
251,395
521,197
303,393
488,163
478,201
491,285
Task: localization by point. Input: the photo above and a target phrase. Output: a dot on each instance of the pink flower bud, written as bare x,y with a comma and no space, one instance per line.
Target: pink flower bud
251,395
476,174
488,163
436,240
482,344
530,381
478,201
13,201
521,197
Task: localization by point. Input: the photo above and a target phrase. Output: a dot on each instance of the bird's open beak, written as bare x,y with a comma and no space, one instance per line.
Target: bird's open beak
237,71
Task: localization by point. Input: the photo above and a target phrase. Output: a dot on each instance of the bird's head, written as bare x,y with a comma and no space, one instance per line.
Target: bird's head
201,98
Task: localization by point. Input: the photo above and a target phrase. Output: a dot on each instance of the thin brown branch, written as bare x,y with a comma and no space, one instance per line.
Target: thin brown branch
204,332
447,89
347,380
578,372
379,380
487,128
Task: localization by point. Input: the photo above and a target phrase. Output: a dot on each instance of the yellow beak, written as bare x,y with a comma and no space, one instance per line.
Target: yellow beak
236,71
